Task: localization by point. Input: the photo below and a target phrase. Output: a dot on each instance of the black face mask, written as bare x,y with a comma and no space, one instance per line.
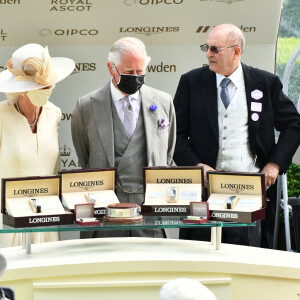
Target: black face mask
130,84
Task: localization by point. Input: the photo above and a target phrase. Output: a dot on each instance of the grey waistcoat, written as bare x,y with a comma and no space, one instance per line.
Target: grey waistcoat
130,158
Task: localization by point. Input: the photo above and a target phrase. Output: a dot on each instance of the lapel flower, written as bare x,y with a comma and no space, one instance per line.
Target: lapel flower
153,107
162,123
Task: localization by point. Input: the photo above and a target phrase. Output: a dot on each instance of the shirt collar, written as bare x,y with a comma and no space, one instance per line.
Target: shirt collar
235,77
117,95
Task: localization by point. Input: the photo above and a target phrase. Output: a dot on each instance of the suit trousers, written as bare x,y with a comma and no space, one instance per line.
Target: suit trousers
268,225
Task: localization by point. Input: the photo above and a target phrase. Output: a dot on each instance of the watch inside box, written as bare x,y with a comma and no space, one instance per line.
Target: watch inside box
98,198
29,206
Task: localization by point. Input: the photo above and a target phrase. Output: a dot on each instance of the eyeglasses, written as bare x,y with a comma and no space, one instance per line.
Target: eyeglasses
214,49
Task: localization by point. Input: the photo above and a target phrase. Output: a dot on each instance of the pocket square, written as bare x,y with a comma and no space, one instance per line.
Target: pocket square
162,123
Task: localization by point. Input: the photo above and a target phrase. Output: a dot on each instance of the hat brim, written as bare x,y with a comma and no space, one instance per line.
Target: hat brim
62,65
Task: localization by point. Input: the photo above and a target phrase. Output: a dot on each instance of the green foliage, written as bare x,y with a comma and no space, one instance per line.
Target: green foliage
290,21
285,48
288,41
293,178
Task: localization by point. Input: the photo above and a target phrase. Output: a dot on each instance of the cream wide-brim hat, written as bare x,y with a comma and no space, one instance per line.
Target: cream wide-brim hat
62,66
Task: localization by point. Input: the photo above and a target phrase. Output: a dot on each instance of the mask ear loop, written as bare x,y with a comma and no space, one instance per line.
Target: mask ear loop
119,75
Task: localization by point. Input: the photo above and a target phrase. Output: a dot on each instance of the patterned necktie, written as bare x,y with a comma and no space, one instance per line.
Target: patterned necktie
129,118
224,93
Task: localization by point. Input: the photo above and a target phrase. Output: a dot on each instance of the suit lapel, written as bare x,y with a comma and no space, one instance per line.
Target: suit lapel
103,117
210,100
150,118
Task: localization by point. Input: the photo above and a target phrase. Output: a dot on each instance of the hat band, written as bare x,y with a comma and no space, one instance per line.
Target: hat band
41,71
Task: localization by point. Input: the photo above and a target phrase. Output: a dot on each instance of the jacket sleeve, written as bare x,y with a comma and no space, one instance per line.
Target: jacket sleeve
287,122
172,135
184,154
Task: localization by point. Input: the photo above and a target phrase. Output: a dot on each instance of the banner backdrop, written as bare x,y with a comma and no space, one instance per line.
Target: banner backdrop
172,30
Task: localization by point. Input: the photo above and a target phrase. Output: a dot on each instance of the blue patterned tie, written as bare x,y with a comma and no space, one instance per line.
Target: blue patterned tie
224,93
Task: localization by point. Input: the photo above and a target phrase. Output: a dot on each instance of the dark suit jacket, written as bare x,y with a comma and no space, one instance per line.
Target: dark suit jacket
196,108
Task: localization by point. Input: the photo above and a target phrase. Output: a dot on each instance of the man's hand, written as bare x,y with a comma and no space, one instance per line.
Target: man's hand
205,168
271,171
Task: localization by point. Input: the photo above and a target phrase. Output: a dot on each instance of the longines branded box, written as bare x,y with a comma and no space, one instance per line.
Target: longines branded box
169,190
84,215
239,197
96,186
33,201
199,213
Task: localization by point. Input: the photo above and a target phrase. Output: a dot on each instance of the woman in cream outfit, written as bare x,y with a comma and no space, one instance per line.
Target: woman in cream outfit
29,124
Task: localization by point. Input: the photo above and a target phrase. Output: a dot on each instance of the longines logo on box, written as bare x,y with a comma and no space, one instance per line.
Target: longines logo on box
44,220
31,192
84,67
148,30
68,32
224,1
174,180
2,2
237,188
152,2
71,5
3,35
169,209
205,28
224,215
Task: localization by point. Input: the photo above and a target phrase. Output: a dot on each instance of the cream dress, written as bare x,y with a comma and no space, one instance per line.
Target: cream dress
23,153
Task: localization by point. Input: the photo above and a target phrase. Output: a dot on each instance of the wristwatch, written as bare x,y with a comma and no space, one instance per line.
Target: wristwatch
35,205
230,202
172,192
91,198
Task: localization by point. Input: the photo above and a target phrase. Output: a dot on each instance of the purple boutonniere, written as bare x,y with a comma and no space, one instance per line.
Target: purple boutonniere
162,123
153,107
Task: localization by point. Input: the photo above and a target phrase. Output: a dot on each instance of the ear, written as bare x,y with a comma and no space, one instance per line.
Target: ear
237,51
110,69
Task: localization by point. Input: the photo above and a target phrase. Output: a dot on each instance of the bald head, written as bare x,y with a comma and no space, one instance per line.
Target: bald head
229,42
231,33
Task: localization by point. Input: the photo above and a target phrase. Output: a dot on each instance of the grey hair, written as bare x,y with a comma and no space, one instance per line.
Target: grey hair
126,45
13,97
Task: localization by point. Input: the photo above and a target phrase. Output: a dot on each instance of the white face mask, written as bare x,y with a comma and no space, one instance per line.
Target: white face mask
39,97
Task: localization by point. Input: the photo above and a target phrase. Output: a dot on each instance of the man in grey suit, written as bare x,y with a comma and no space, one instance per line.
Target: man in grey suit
127,125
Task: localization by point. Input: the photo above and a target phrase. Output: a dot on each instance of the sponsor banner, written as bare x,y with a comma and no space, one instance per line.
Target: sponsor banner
100,23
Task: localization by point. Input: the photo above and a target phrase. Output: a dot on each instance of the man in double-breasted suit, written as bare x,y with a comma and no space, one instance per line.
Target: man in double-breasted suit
126,125
226,114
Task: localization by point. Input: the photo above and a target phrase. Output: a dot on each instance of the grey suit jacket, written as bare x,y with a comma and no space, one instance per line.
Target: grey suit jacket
92,128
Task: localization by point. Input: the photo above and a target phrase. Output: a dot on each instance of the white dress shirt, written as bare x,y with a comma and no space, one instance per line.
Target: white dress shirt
121,104
235,78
